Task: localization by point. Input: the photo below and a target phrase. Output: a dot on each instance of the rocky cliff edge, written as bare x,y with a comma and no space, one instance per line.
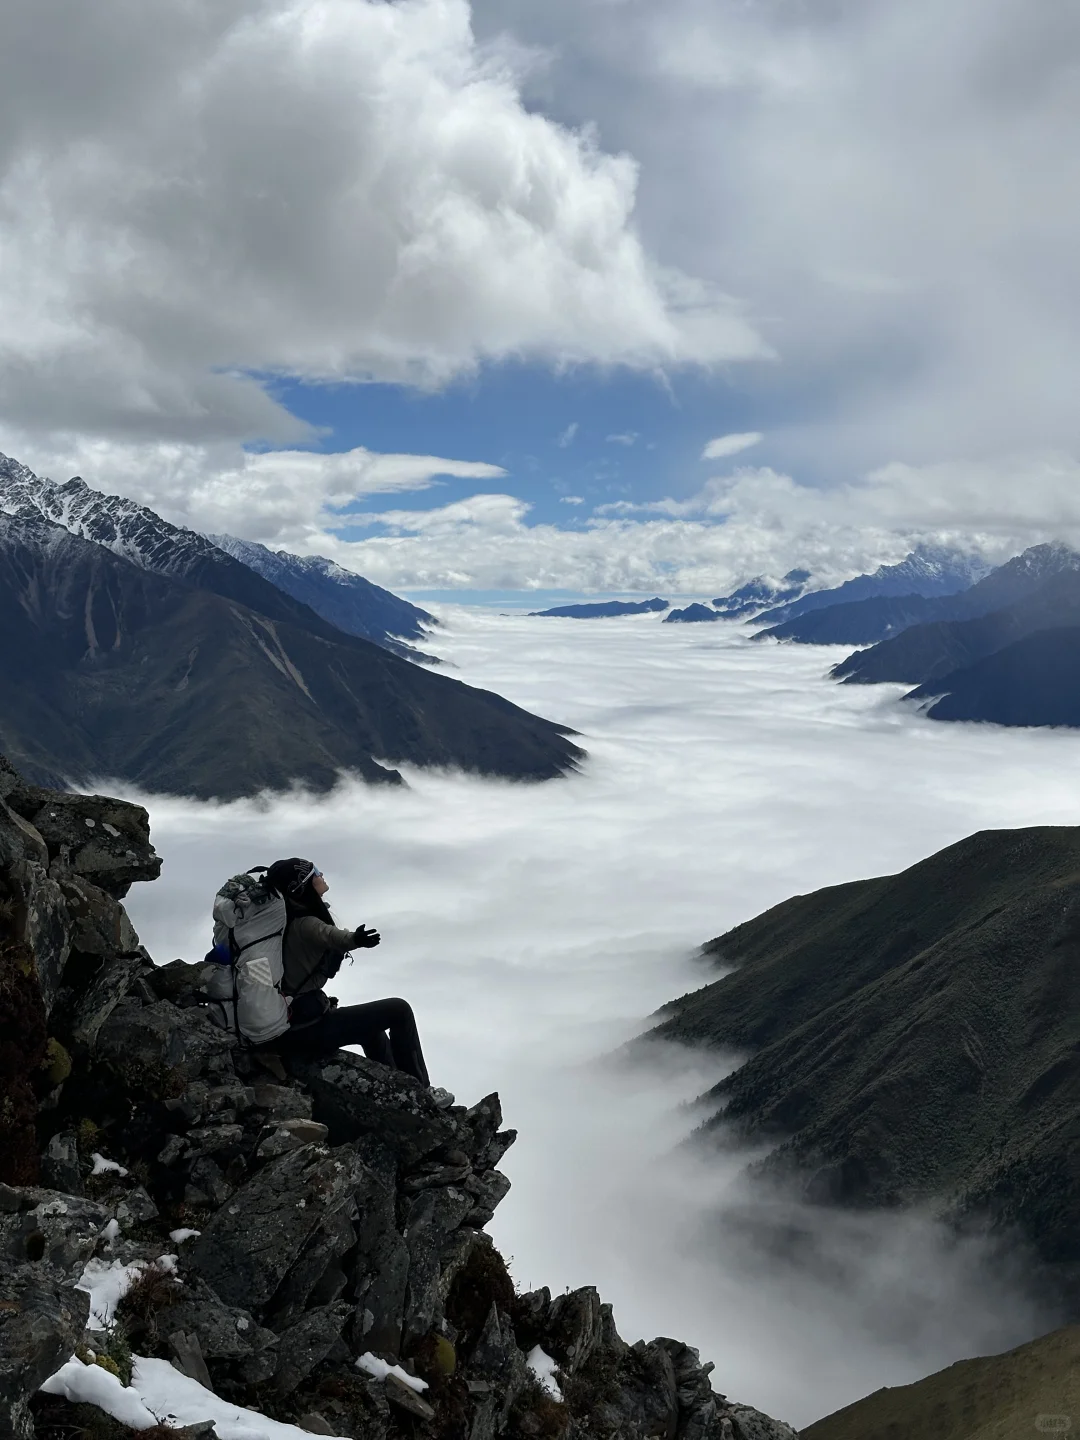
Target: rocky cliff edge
199,1241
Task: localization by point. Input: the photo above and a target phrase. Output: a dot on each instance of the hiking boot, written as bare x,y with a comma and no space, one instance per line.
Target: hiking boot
443,1099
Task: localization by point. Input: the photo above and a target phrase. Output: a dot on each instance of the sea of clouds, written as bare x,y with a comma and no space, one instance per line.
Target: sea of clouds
536,927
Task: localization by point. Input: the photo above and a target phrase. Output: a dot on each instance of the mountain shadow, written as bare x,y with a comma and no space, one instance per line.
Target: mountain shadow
113,670
915,1038
859,622
1035,681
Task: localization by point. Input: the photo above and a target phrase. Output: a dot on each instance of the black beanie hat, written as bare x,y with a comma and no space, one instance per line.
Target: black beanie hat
288,877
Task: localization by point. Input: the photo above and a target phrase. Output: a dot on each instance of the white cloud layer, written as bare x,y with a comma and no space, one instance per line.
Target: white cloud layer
199,189
535,927
749,521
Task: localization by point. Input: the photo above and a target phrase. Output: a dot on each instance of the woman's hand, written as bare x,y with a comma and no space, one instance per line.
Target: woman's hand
365,939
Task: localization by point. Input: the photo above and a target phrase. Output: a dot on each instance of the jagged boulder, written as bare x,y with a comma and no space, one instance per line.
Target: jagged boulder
41,1321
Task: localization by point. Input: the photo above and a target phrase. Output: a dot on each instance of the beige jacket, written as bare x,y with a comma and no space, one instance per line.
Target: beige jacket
312,953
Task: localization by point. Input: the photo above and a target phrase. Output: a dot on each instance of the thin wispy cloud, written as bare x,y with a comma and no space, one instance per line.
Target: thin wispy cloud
725,445
534,928
626,437
566,437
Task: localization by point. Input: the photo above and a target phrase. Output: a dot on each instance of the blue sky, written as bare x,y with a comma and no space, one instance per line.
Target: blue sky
600,435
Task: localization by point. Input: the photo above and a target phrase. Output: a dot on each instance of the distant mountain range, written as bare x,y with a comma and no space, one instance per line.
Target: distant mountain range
760,593
140,651
1000,650
915,1039
692,614
340,596
1036,590
926,571
604,609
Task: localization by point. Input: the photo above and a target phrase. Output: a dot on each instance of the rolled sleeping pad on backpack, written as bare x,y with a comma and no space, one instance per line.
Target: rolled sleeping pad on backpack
252,918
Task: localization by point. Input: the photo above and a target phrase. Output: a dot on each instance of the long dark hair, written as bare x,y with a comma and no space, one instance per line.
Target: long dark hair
292,879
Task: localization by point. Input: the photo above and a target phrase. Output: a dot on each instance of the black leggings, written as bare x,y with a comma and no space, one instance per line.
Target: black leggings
366,1026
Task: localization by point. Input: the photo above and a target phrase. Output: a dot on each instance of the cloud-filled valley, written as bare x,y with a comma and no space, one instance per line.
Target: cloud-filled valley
535,928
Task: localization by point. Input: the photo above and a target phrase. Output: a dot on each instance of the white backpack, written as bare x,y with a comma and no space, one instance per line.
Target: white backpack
249,919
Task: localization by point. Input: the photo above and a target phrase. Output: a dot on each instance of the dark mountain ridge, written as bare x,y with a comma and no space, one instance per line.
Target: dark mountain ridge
343,598
115,670
692,615
143,538
604,609
915,1038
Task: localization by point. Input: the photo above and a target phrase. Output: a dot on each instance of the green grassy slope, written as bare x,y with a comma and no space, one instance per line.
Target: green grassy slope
1022,1394
916,1037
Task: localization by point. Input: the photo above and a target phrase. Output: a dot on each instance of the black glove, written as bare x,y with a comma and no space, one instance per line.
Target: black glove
365,939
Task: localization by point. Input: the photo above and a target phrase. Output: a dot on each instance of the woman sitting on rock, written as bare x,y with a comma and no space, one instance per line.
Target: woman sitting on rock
312,952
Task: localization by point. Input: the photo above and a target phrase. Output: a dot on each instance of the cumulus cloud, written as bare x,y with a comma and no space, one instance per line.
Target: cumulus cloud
885,182
725,445
191,193
753,520
534,928
286,497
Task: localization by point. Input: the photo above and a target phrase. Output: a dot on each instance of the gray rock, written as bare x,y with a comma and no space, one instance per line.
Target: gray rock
136,1208
208,1185
41,1321
173,1151
60,1230
480,1125
432,1218
209,1139
98,1003
228,1335
290,1135
315,1424
307,1343
357,1097
187,1356
495,1149
574,1327
60,1164
283,1102
750,1424
249,1246
434,1175
161,1038
107,841
41,919
97,923
405,1398
313,1269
